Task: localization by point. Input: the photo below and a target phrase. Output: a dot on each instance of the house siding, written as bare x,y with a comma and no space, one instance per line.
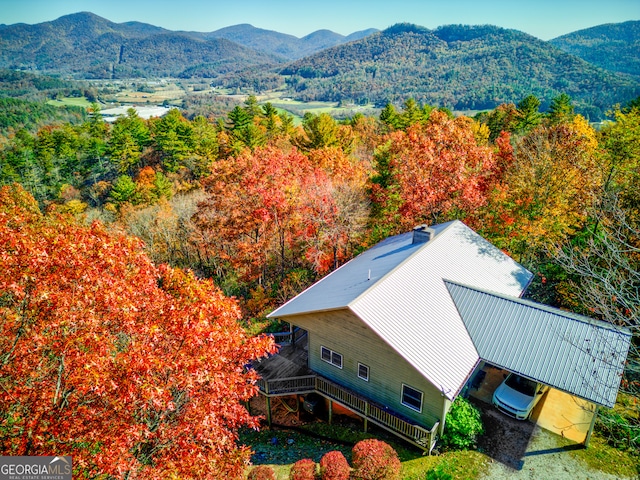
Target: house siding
342,332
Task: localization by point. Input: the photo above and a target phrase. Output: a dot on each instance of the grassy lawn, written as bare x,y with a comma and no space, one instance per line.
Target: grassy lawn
605,458
280,448
71,101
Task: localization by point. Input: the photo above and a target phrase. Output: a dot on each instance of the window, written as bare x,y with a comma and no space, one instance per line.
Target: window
363,372
412,398
329,356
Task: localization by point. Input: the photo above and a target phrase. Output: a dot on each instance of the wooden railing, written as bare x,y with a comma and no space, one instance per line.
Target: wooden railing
288,386
415,434
284,338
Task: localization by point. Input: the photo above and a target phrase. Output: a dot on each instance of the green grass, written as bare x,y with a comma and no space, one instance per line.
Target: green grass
71,102
280,449
605,458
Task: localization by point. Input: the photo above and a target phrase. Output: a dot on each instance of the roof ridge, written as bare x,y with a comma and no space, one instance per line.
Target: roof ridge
419,249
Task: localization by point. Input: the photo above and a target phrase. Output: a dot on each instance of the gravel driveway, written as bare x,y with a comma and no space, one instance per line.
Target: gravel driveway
522,450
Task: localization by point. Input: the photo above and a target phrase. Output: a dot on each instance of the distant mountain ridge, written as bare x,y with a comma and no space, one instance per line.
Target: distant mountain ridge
614,46
283,45
84,45
458,66
461,67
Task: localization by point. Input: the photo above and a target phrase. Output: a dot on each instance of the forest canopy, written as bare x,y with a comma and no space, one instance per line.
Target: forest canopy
258,208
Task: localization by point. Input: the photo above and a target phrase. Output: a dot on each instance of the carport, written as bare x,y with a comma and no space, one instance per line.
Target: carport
580,358
557,411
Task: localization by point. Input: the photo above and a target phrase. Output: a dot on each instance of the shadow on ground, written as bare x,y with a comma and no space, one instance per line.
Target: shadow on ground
509,441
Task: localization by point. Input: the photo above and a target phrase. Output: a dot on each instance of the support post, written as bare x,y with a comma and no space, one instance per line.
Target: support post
593,422
330,411
293,337
268,399
446,403
366,417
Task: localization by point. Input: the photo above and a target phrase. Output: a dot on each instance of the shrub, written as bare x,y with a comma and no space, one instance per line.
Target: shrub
375,460
262,472
621,429
437,474
333,466
463,425
304,469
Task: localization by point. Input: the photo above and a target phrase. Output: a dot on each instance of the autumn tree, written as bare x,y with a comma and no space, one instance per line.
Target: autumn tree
135,370
433,172
167,228
335,215
250,218
547,191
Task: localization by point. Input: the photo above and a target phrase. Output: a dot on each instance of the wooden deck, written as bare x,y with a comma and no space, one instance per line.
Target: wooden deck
290,361
287,373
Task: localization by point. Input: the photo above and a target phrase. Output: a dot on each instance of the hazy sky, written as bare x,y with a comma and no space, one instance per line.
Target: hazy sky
544,19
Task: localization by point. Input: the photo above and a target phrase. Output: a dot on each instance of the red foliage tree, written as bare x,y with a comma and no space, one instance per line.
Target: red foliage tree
268,209
433,171
304,469
334,466
375,460
135,370
251,214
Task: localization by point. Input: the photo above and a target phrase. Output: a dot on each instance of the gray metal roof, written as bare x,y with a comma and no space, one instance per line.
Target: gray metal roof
570,352
397,289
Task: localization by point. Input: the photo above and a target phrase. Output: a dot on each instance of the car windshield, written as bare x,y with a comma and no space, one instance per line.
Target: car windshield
522,385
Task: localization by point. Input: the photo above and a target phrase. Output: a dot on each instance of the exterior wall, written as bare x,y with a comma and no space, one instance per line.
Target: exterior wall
564,414
344,333
557,411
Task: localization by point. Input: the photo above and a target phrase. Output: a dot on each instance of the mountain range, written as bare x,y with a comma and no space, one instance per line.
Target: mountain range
459,66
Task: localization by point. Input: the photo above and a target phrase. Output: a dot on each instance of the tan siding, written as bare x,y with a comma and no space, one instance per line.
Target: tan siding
344,333
564,414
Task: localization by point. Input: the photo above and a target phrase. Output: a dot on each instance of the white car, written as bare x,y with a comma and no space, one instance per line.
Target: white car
516,396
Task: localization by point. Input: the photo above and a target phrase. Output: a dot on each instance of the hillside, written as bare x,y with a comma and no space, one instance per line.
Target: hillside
615,47
460,67
283,45
85,45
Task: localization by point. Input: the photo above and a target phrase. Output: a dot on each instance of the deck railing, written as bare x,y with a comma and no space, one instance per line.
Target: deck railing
288,386
284,338
415,434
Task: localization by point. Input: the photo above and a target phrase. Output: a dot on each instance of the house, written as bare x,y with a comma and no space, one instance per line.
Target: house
400,331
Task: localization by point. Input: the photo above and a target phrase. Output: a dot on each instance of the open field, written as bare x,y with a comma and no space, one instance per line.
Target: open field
70,102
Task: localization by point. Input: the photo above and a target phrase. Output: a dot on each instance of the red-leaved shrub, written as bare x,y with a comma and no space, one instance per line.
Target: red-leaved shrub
304,469
375,460
333,466
262,472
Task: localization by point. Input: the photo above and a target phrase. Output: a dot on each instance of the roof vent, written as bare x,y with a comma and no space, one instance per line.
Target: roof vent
422,234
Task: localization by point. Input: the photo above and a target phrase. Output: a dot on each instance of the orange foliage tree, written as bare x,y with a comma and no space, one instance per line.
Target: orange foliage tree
135,370
431,172
272,210
547,190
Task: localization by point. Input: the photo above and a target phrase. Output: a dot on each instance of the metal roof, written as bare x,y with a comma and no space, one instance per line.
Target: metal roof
566,351
397,289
